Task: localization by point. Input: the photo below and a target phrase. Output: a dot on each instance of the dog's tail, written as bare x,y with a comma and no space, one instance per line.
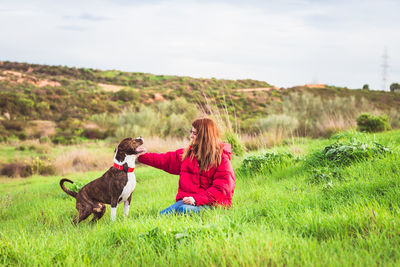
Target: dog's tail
69,192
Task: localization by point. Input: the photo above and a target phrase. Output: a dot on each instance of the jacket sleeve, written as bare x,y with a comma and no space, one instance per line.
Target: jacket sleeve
169,162
222,186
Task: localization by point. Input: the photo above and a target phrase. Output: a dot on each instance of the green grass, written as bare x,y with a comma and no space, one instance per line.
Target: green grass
276,219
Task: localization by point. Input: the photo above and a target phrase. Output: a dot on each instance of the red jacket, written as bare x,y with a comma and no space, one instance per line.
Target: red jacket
211,187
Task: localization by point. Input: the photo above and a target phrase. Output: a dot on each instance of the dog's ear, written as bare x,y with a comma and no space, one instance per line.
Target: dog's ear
120,155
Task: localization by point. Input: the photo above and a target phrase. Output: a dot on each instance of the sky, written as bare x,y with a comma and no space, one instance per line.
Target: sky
285,43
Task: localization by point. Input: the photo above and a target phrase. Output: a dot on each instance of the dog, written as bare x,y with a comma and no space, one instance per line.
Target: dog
115,186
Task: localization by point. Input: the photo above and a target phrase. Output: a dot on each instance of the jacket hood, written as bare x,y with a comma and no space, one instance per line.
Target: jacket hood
227,149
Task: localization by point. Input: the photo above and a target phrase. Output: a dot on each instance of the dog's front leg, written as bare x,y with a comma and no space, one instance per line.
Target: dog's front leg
113,213
126,205
126,208
114,204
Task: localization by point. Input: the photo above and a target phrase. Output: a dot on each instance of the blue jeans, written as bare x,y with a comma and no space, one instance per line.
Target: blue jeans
181,208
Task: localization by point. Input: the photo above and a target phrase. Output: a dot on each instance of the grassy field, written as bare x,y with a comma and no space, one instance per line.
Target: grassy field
284,216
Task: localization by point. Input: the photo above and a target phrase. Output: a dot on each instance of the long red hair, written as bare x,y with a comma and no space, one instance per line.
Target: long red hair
206,147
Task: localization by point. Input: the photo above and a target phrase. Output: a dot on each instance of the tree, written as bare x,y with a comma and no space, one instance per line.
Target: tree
365,87
394,87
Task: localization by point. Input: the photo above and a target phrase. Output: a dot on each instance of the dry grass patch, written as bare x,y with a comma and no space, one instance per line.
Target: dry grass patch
161,145
333,124
82,159
267,139
110,87
40,128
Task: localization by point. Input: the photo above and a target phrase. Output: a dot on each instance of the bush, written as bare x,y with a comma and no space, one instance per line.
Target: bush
22,136
281,122
127,95
61,140
44,139
325,175
15,170
177,125
368,123
236,143
265,163
94,134
42,166
345,153
13,125
395,87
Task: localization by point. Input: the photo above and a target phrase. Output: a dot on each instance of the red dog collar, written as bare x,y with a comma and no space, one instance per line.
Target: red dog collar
123,168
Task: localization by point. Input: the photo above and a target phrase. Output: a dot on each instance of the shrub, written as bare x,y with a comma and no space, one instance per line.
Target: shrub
16,169
177,125
265,163
3,131
127,95
395,87
279,122
394,117
21,148
94,134
368,123
234,140
22,136
345,153
64,140
68,131
44,139
325,175
179,106
13,125
42,166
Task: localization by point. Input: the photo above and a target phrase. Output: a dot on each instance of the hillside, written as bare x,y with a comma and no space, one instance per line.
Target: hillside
70,97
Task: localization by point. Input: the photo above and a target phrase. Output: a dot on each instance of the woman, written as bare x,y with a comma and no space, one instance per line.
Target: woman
206,177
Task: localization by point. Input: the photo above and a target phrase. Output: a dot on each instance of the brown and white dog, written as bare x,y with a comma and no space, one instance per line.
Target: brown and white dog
115,186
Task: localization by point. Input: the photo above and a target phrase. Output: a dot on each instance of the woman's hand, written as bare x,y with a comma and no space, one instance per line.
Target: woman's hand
188,200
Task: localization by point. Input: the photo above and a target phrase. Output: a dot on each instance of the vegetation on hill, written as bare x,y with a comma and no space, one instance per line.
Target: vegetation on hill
89,103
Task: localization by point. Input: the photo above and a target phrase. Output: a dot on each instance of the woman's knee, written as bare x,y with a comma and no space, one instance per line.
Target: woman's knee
173,208
187,209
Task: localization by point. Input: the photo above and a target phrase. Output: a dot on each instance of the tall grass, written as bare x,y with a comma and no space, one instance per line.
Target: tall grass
164,119
322,117
81,159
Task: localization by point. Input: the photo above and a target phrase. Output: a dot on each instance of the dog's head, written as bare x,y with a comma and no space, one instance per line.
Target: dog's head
129,146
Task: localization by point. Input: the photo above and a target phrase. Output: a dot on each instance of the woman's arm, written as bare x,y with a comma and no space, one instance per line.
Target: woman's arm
223,184
169,162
